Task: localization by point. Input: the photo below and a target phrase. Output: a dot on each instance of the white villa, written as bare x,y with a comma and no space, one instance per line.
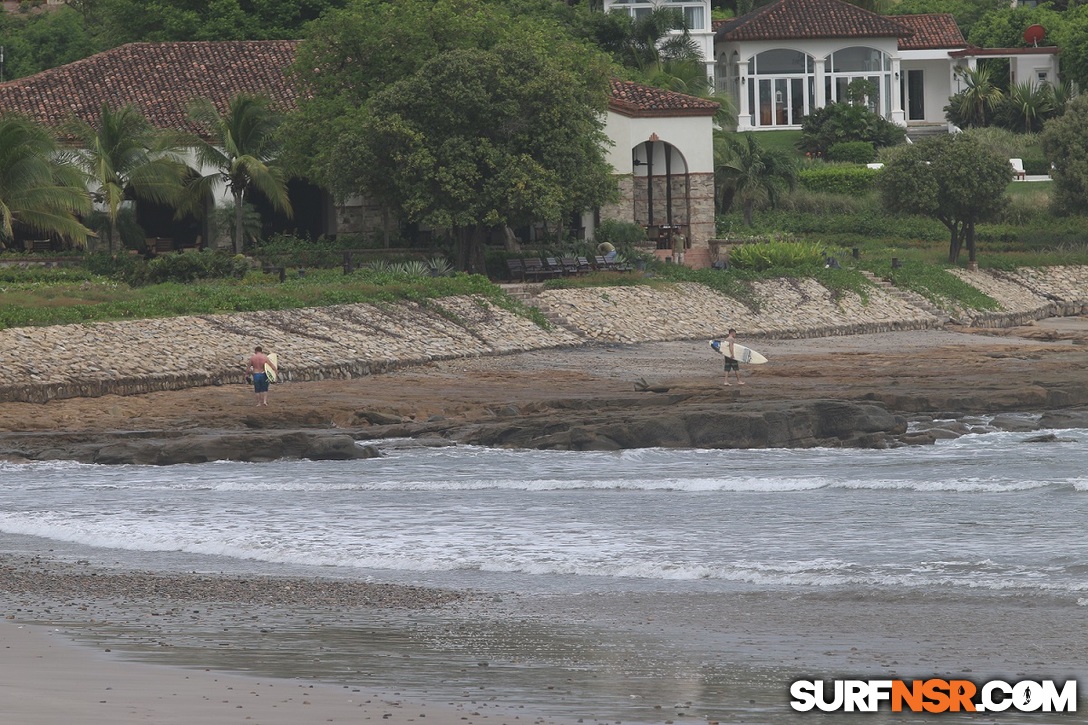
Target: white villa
786,59
661,148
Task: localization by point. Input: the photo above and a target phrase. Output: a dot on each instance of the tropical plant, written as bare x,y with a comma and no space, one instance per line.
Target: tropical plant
752,173
224,220
241,150
647,40
976,102
1030,104
124,157
39,191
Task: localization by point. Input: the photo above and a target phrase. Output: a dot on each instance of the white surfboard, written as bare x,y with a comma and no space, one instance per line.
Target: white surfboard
272,372
742,354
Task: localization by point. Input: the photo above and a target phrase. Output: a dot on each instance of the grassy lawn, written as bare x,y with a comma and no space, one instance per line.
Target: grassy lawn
36,299
781,140
1030,188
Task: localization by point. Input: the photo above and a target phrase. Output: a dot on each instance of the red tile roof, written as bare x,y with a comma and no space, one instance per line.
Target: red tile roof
931,31
160,79
802,19
634,99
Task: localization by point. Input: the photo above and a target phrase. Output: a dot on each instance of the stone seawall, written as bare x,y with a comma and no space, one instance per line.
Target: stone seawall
141,356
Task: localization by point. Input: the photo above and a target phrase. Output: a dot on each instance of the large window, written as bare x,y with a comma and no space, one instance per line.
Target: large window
849,64
694,11
781,87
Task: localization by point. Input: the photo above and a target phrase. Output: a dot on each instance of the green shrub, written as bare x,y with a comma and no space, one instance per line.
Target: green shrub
854,152
1036,165
782,255
839,122
619,234
838,178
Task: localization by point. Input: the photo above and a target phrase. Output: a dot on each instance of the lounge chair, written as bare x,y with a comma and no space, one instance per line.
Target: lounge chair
1018,169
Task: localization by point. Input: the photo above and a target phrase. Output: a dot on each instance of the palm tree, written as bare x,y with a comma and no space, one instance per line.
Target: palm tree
689,77
981,96
753,174
125,157
39,189
241,150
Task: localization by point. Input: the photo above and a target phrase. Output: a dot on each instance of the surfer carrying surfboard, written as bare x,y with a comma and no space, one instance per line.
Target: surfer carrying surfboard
731,362
259,365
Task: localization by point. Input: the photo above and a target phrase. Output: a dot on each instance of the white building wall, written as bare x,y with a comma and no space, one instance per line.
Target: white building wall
693,137
937,77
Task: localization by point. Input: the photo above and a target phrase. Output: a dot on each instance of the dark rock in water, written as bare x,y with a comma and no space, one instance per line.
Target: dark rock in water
1014,423
769,424
170,447
922,438
1048,438
1064,419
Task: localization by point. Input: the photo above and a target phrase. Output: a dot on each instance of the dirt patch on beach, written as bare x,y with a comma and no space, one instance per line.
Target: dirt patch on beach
964,371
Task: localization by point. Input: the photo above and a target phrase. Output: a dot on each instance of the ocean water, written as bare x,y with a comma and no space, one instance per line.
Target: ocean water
983,523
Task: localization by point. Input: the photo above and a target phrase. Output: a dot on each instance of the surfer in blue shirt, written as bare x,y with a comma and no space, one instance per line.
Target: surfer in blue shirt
731,362
257,363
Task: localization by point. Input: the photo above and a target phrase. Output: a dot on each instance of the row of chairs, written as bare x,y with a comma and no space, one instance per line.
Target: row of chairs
534,269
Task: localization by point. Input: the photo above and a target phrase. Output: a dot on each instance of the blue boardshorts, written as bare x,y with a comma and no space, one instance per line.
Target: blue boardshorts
260,382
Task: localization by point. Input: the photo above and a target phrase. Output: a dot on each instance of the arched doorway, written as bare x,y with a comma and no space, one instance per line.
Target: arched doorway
662,190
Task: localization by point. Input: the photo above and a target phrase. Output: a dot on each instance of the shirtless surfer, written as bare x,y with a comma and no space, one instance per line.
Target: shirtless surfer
257,363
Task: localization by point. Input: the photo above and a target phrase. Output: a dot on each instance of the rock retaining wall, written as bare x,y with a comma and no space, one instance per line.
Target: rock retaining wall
140,356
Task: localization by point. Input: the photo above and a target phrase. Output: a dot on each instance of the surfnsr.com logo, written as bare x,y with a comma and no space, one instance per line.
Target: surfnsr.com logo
933,695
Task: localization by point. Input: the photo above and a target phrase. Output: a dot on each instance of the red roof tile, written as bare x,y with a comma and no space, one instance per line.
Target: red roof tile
634,99
161,79
931,31
801,19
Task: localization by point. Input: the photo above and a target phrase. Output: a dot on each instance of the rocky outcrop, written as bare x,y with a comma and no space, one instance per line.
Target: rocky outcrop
769,424
161,448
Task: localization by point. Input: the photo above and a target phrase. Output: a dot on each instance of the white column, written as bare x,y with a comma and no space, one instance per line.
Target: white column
821,94
898,117
744,115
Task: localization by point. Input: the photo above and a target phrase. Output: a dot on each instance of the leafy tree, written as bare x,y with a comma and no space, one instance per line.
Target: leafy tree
751,173
838,123
966,12
242,150
124,157
953,179
33,42
38,191
453,114
1065,143
125,21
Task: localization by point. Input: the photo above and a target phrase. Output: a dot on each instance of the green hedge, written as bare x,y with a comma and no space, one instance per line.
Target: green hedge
838,178
854,152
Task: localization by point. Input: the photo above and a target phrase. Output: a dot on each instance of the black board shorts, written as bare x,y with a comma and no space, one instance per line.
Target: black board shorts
731,364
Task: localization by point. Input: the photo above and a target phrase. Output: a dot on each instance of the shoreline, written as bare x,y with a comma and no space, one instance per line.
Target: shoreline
205,654
924,377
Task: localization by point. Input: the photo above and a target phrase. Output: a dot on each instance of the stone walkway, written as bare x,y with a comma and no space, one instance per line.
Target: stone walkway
129,357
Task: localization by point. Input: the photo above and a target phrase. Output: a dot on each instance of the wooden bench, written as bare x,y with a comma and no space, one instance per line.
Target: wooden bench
536,270
516,268
39,246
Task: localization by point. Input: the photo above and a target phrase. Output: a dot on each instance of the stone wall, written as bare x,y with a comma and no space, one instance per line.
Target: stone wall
38,364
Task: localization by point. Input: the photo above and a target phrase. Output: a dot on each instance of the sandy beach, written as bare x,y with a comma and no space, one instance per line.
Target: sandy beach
209,628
